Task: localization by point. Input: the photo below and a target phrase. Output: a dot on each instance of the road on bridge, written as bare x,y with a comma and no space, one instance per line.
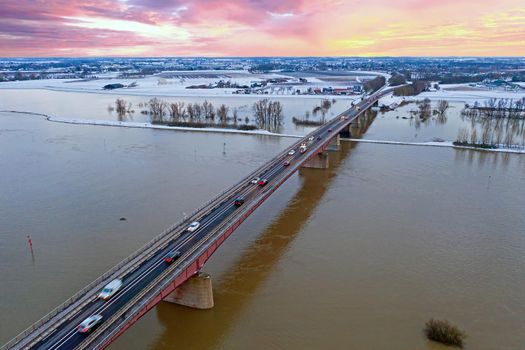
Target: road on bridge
62,333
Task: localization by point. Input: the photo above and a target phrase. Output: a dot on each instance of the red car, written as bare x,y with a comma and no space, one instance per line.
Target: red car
262,182
171,257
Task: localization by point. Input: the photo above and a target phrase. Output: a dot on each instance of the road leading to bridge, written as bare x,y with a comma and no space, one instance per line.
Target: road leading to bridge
147,278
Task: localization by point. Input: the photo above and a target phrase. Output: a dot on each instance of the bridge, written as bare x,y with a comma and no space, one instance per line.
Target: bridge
148,279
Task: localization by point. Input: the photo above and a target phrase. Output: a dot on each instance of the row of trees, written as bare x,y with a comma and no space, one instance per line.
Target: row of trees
497,108
322,109
413,89
425,110
268,114
488,138
494,133
374,84
178,112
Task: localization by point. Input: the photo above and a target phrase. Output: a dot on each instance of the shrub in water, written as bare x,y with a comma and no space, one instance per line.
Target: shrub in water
445,333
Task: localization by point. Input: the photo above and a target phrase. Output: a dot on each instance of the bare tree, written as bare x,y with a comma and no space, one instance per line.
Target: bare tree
463,136
268,115
120,106
209,112
191,111
486,135
473,137
198,110
157,108
424,109
442,106
177,111
235,116
222,113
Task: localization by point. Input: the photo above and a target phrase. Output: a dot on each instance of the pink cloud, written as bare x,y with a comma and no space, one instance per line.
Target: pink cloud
262,27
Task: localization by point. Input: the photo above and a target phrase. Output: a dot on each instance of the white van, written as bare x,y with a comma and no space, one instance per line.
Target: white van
110,289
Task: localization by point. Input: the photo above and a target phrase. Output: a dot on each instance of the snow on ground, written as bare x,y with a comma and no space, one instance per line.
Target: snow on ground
171,83
164,127
440,144
146,125
453,92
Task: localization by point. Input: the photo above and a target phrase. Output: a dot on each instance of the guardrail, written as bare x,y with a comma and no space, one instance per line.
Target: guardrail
141,300
157,285
152,244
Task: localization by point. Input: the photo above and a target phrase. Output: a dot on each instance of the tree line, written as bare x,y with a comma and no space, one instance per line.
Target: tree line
268,114
497,108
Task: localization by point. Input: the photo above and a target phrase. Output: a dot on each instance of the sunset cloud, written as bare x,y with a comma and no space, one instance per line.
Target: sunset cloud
262,28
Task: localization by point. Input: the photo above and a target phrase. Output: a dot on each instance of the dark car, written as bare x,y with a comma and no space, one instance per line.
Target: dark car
286,163
319,138
171,257
330,130
262,182
239,201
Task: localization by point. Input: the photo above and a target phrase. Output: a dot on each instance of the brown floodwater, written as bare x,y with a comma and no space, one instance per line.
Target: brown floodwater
358,256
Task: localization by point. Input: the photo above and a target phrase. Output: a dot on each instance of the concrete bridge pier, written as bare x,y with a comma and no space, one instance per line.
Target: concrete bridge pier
356,123
319,161
346,132
335,144
196,292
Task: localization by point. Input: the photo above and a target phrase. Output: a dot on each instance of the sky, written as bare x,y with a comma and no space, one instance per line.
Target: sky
31,28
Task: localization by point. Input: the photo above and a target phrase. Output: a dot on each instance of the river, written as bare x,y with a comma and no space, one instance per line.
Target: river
357,256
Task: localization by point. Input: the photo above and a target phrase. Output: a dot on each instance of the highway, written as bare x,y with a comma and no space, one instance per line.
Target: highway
63,334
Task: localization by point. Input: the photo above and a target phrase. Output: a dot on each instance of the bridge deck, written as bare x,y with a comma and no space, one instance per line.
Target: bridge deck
147,279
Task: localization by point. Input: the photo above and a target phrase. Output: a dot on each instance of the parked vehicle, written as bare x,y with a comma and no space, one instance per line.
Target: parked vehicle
193,226
110,289
263,182
239,201
172,256
89,323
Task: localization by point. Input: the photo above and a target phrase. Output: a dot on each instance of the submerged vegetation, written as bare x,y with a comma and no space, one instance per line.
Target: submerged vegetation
268,115
495,124
322,109
442,331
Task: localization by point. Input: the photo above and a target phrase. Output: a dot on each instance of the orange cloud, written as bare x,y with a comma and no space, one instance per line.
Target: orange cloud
262,28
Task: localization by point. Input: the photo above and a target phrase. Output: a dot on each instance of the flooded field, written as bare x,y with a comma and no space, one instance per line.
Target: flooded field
404,124
95,106
357,256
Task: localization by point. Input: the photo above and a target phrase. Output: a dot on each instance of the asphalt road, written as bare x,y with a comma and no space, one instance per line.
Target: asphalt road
66,335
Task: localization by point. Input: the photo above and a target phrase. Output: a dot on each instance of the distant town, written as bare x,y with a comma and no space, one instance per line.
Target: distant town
445,70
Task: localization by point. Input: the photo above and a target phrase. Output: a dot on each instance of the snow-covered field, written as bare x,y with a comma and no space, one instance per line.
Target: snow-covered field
455,92
175,84
440,144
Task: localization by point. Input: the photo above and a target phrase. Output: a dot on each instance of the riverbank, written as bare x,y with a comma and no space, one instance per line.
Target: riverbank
142,125
448,144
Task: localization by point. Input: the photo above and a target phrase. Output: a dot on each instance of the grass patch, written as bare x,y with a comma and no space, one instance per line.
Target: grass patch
442,331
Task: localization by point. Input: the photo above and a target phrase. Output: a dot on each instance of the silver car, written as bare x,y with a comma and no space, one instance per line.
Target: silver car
193,226
89,323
